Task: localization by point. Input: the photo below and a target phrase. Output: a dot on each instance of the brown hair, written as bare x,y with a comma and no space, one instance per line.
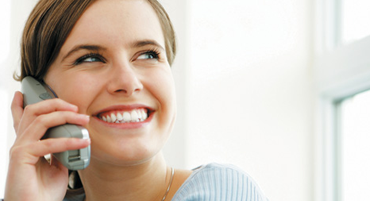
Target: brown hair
167,28
49,25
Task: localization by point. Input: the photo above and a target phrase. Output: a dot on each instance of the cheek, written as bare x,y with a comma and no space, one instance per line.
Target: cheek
163,88
165,91
78,90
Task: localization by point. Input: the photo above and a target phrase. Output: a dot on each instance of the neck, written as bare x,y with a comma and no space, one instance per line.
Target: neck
146,181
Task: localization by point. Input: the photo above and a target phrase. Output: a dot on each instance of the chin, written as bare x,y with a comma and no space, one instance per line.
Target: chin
124,155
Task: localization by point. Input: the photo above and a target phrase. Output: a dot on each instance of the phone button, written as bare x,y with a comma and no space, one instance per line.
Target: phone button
45,96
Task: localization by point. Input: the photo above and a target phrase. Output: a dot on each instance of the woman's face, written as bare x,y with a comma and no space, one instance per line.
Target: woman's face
113,66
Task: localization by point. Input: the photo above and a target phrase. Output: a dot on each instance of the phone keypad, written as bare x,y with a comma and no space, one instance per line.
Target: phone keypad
45,96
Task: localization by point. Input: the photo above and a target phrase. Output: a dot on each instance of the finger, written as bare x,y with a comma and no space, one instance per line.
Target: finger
39,126
54,162
51,105
31,153
56,145
30,112
17,108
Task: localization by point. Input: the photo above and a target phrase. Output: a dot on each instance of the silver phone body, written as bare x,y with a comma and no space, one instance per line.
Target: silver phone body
33,92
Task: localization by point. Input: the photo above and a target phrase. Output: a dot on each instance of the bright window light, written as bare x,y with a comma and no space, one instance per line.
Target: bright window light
3,139
4,53
354,20
354,149
5,30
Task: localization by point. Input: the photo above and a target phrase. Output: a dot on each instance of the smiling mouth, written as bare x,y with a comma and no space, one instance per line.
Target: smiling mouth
133,116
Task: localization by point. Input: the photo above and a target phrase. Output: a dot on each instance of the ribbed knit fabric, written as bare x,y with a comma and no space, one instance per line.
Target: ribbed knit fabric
216,182
212,182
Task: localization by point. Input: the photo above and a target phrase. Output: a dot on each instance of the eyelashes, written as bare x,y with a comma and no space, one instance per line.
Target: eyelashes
147,55
90,58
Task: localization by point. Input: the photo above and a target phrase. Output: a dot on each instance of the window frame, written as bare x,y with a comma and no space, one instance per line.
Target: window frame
339,71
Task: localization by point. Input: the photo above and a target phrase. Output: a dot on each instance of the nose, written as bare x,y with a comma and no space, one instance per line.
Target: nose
124,80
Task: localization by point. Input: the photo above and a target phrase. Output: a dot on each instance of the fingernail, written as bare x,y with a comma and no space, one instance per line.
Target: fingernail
88,140
85,141
84,116
74,107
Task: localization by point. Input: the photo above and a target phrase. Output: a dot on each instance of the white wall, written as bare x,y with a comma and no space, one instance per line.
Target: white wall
4,50
249,93
18,11
175,149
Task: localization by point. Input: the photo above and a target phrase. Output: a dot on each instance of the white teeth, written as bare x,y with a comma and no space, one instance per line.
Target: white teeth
113,117
109,120
144,114
134,116
139,115
119,117
125,117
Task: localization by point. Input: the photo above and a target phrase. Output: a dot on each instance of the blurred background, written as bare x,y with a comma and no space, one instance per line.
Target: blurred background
278,88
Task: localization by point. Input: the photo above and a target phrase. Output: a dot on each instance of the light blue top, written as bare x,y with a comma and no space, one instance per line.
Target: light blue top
216,182
212,182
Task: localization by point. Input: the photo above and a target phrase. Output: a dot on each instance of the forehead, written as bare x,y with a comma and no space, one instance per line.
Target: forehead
116,22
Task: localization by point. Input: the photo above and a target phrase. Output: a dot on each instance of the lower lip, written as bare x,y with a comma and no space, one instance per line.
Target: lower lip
131,125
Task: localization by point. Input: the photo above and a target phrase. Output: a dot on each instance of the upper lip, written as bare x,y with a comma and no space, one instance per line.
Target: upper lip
123,108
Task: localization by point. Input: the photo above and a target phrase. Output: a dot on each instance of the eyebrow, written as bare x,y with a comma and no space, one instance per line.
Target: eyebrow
83,47
143,43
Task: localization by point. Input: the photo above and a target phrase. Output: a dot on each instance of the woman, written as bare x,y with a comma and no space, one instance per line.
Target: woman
109,63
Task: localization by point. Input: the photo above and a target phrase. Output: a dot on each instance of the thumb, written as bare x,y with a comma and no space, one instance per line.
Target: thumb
17,108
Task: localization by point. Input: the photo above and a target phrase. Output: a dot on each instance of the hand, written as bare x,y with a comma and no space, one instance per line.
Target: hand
30,176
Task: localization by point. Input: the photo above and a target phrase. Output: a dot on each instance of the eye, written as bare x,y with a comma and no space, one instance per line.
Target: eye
90,58
152,54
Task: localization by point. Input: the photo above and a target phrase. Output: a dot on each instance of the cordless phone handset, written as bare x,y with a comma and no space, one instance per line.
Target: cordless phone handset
33,92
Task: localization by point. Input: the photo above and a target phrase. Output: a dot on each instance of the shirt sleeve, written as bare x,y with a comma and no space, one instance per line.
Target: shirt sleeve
216,182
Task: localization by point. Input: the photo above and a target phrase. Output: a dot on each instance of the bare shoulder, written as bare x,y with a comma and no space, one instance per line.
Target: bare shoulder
179,178
181,175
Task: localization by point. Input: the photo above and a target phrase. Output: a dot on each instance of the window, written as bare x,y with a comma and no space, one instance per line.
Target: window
353,20
342,84
4,105
353,147
5,30
3,139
